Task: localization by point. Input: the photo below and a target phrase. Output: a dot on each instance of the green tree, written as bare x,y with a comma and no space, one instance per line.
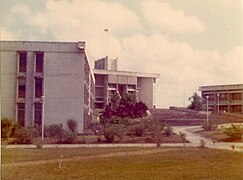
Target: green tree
197,102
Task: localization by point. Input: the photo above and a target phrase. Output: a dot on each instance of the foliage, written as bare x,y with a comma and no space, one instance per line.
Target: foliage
55,130
183,137
38,142
202,144
126,110
113,131
6,127
196,102
234,132
72,125
168,130
69,136
139,129
209,125
26,135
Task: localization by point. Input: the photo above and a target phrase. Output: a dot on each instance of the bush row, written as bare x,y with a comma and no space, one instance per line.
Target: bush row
27,135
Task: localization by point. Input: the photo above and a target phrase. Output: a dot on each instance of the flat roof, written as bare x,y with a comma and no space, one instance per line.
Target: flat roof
126,73
221,87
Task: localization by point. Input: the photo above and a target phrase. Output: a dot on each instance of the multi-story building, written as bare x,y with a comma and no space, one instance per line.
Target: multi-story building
48,82
108,80
224,98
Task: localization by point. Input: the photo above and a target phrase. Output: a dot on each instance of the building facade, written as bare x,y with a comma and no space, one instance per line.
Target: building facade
46,81
108,81
224,98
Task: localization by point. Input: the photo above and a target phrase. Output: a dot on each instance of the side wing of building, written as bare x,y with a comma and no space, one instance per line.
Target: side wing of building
50,81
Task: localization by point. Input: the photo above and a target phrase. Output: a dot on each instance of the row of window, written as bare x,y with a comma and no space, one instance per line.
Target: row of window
224,97
22,87
39,60
37,113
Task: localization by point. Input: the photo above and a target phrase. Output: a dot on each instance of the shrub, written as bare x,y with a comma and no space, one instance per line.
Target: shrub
25,136
202,144
69,136
234,132
6,125
55,130
168,130
15,127
72,125
109,133
209,125
139,129
38,142
120,131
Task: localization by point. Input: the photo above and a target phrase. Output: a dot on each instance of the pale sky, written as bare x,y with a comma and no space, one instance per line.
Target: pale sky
188,42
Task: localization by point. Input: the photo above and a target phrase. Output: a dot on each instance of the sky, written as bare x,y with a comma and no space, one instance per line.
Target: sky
190,43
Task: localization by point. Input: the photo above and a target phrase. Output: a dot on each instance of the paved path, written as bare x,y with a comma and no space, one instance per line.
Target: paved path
195,139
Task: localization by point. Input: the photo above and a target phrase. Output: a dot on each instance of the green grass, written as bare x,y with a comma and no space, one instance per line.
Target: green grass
180,163
22,155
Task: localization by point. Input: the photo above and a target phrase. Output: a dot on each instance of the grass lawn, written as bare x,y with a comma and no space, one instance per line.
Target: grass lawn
170,163
218,135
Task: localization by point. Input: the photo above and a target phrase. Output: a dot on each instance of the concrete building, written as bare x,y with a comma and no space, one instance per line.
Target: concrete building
224,98
46,80
108,80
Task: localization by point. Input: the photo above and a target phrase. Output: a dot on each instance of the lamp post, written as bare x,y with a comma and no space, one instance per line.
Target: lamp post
207,109
42,117
218,102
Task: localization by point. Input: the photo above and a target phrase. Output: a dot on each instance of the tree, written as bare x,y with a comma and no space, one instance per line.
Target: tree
197,102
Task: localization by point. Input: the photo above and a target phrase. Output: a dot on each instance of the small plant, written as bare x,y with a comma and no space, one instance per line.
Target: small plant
168,130
139,129
69,136
72,125
26,135
39,143
6,127
202,144
234,132
55,130
110,133
183,137
209,125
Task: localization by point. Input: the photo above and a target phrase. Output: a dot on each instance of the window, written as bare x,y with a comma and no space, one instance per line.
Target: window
22,61
38,87
223,97
38,114
236,96
39,62
21,113
21,88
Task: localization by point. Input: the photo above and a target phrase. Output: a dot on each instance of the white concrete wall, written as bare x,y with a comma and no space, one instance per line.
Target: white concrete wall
63,86
145,93
8,83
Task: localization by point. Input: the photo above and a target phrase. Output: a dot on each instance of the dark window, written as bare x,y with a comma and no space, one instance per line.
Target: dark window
38,113
38,87
21,113
39,62
236,96
22,61
21,89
